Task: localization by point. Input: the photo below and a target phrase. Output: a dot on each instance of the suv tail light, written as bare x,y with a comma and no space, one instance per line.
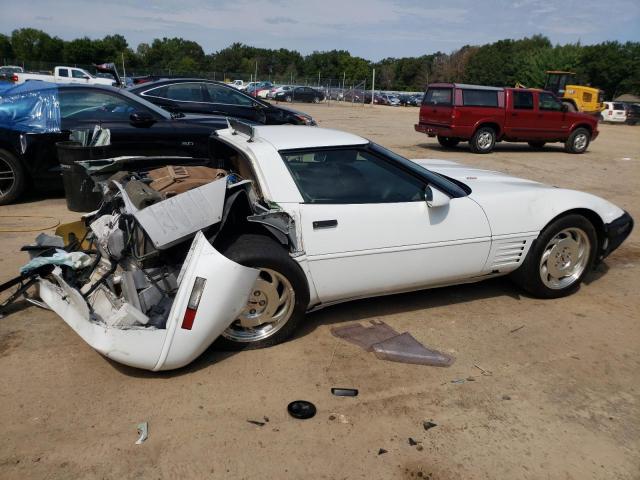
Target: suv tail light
194,301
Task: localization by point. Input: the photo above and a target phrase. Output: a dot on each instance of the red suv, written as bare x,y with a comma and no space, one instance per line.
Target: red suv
482,116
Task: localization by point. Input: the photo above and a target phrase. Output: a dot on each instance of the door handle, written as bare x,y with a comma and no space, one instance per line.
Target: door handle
325,224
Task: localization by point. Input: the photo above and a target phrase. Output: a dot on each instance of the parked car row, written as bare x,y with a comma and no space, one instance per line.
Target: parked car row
165,117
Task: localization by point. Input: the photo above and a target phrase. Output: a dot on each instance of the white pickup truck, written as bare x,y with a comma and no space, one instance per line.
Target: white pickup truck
64,75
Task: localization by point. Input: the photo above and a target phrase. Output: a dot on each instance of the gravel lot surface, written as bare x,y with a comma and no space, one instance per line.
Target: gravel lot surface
559,397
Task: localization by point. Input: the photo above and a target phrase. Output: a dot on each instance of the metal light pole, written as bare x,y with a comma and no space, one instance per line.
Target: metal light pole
373,85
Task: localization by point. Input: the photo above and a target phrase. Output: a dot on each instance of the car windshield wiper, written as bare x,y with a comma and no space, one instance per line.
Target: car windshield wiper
177,115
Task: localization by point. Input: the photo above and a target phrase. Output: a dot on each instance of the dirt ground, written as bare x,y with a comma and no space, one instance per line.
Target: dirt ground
559,397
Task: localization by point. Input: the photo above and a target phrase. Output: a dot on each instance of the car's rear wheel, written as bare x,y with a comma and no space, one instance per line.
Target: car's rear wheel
448,142
483,140
578,141
559,258
278,301
316,99
288,99
536,145
12,177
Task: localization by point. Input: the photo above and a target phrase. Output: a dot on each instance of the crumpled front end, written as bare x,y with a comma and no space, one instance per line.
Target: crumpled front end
119,330
156,292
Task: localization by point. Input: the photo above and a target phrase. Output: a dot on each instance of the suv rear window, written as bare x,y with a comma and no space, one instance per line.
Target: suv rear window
437,96
480,98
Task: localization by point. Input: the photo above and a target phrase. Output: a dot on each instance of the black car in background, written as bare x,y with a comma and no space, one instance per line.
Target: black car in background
29,160
300,94
190,95
633,113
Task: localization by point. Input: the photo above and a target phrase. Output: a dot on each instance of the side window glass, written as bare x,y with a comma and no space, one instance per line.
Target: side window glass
63,72
350,176
78,74
480,98
92,105
184,92
437,96
522,100
227,96
547,101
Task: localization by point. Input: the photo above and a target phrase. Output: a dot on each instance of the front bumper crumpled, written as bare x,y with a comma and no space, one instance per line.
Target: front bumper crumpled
615,233
225,295
157,293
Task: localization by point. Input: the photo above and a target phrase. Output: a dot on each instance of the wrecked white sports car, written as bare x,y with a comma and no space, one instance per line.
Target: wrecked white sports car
301,218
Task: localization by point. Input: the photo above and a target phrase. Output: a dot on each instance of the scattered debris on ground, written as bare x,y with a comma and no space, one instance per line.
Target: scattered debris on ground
301,409
345,392
387,344
143,432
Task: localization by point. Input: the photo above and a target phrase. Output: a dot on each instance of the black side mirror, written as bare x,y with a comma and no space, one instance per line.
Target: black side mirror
141,119
564,107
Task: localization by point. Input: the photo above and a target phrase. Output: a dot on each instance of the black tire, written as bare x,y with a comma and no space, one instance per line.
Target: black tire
448,142
529,277
316,99
288,99
483,140
536,145
578,141
262,252
12,177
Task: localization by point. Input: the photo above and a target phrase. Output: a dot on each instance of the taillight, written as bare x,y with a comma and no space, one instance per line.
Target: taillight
14,77
194,301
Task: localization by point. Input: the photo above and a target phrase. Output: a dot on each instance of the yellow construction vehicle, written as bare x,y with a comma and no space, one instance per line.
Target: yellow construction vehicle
579,98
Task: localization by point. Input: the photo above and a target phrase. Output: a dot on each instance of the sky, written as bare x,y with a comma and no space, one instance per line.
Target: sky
373,29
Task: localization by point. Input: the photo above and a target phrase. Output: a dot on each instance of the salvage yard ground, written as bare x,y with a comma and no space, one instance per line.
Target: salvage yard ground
547,389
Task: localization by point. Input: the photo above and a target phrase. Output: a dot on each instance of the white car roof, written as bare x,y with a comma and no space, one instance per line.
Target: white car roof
288,137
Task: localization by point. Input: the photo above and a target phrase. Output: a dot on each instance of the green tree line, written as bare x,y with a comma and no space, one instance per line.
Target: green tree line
611,66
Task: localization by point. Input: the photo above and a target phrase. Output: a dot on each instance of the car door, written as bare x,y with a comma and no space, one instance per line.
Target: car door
368,230
551,120
521,120
84,108
224,100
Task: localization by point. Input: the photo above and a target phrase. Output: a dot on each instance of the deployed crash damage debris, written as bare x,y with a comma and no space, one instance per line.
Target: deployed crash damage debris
139,279
387,344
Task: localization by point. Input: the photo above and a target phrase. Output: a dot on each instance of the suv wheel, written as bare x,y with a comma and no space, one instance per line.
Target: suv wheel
316,100
12,177
483,140
288,99
448,142
578,141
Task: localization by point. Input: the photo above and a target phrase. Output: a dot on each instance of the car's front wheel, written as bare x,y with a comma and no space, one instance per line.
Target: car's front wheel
278,300
559,258
316,99
288,99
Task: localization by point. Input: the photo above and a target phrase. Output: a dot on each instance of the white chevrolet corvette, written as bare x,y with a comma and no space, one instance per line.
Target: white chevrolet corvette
304,218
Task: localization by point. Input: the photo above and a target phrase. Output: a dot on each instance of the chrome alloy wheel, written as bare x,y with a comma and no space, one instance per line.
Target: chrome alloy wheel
485,139
580,142
565,258
268,309
7,177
